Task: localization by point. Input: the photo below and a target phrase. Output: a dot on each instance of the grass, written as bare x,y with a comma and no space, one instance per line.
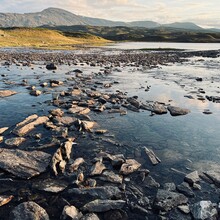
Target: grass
44,38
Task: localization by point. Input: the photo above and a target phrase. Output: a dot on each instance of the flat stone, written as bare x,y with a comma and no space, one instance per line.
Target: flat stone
103,205
66,121
110,176
56,112
24,164
28,211
6,93
152,157
129,166
78,110
71,212
15,141
97,169
214,176
28,125
2,130
192,177
204,210
101,192
166,200
176,111
50,185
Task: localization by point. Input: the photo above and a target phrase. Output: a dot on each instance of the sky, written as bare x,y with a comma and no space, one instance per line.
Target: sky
202,12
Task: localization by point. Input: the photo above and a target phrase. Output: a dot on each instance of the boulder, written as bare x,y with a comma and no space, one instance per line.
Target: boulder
24,164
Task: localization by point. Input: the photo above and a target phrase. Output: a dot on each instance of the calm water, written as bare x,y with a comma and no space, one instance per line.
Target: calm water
156,45
185,142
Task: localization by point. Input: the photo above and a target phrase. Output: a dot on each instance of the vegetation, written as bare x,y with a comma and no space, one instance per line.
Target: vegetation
45,38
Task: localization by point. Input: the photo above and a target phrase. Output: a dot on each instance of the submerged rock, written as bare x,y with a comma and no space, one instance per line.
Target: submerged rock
24,164
204,210
176,111
166,200
151,155
6,93
103,205
28,211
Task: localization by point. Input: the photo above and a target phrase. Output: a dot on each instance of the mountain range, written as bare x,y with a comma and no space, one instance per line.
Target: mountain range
60,17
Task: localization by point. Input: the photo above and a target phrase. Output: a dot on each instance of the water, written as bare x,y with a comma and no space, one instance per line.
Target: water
158,45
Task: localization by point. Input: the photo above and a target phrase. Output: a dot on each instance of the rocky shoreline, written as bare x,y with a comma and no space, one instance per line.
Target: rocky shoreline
65,165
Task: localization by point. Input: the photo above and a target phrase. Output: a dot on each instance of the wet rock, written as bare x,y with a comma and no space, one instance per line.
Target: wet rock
138,209
159,109
101,192
2,130
24,164
75,165
185,189
176,111
166,200
6,93
134,102
1,139
151,182
44,84
151,155
214,176
57,112
169,186
97,168
192,178
101,131
28,211
184,208
129,167
66,121
71,212
50,185
15,141
5,199
103,205
90,216
86,125
35,92
29,124
51,66
204,210
78,110
207,112
110,176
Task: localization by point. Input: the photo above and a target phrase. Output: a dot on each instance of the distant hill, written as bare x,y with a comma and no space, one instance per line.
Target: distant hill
184,25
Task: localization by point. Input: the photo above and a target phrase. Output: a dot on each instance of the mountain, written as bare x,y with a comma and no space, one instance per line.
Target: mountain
183,25
60,17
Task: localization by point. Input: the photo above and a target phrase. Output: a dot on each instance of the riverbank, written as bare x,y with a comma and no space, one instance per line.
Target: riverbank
83,120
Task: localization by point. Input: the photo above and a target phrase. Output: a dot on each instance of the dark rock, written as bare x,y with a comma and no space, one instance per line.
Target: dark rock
185,189
51,66
176,111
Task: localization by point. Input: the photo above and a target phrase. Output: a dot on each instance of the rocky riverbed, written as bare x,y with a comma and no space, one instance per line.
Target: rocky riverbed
75,145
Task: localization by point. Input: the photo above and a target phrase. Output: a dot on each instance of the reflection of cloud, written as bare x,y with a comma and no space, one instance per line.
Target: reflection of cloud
163,11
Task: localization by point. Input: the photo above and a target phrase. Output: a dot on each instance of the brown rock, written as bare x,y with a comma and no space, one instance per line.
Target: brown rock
6,93
129,166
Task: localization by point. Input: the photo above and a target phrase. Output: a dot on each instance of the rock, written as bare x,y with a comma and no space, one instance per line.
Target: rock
159,109
103,205
184,208
199,79
101,131
101,192
151,182
214,176
71,212
35,92
110,176
24,164
169,186
192,178
1,139
50,185
2,130
116,215
51,66
204,210
129,166
185,189
90,216
29,124
134,102
15,141
78,110
44,84
6,93
57,112
97,169
28,211
75,165
5,199
176,111
166,200
66,121
151,155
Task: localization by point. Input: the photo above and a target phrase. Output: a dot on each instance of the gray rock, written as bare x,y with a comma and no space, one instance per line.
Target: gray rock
166,200
192,178
90,216
103,205
102,192
204,210
159,109
185,189
110,176
51,66
24,164
169,186
176,111
184,208
28,211
214,176
151,182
